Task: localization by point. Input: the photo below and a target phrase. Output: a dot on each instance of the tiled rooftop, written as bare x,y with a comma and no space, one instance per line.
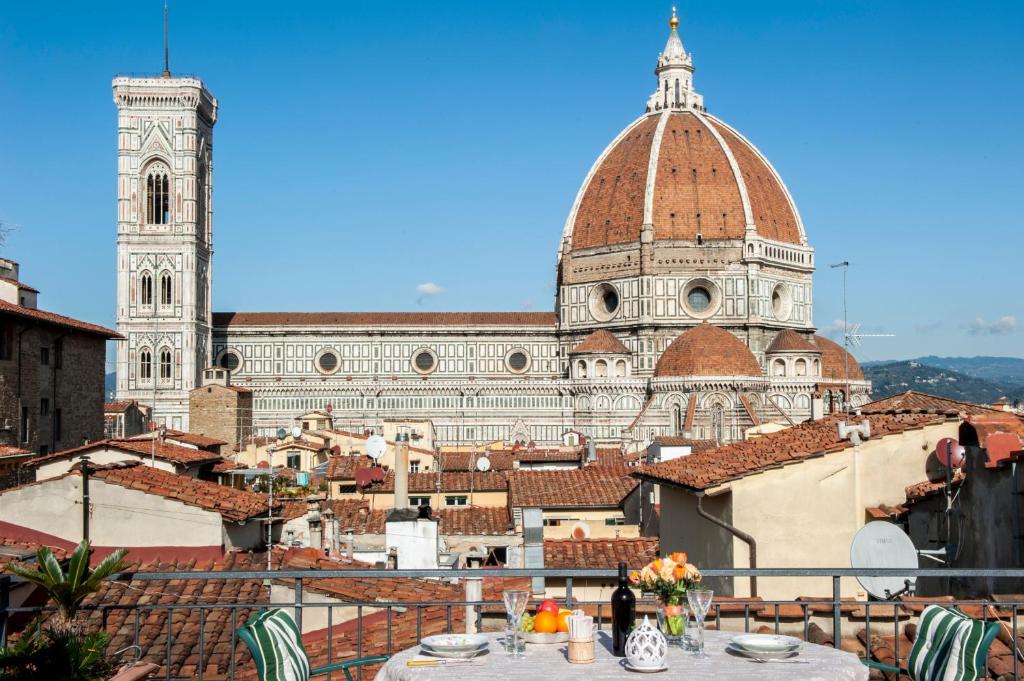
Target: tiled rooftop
344,466
587,553
702,470
707,350
11,450
600,342
165,451
451,481
55,319
789,340
590,487
355,515
222,319
118,406
833,365
914,402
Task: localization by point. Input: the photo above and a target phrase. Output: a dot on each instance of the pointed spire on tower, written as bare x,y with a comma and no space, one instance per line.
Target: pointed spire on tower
675,75
167,63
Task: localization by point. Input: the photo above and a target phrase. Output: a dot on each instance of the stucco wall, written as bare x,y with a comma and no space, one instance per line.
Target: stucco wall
120,517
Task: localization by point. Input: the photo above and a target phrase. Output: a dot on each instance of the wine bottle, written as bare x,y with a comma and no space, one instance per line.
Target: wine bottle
623,613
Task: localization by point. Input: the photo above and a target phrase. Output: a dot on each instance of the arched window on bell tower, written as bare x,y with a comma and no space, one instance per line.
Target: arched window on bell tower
165,288
145,365
158,195
165,364
146,289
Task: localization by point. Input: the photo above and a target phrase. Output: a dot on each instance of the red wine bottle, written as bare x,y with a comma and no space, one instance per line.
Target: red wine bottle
623,613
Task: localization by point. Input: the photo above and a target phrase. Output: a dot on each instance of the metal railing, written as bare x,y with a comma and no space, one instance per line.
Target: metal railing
729,613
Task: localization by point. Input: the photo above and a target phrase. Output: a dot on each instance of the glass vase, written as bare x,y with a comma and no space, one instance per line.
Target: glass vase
671,621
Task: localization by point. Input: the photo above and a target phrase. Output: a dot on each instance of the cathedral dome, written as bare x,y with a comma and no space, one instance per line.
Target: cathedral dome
707,350
832,364
688,176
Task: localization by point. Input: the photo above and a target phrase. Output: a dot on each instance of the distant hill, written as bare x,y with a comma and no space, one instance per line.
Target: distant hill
896,377
109,385
1001,370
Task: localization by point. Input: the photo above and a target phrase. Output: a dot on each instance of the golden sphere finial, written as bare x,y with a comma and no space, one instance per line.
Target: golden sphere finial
674,21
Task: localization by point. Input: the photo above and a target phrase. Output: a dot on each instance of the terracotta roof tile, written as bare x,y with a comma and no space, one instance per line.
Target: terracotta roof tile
20,285
166,451
11,450
680,441
702,470
56,319
222,319
599,553
922,490
914,402
600,341
593,486
789,340
233,504
118,407
344,466
832,363
451,481
707,350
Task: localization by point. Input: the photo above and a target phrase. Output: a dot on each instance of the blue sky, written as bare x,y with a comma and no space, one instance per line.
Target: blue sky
364,149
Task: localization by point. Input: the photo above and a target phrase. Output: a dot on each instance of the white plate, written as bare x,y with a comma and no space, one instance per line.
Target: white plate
427,646
454,654
452,643
765,643
534,637
765,655
644,670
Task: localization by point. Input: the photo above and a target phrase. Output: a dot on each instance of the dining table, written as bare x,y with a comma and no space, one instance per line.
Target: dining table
550,662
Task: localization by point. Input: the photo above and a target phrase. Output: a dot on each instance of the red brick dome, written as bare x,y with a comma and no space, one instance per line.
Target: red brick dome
832,364
707,350
685,173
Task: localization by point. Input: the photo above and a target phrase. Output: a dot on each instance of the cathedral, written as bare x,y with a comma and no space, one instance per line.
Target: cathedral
683,304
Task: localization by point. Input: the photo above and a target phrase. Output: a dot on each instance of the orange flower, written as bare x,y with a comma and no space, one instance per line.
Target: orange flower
679,557
679,573
634,577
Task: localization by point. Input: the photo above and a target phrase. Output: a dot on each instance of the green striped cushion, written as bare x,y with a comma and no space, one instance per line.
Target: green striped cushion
935,633
279,653
968,651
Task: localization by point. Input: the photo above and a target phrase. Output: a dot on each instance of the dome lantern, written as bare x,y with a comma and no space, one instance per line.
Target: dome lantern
675,75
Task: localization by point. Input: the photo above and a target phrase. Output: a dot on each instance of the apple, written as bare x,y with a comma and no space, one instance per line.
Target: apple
549,606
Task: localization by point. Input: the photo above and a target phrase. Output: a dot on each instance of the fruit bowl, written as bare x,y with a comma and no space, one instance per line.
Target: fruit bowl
534,637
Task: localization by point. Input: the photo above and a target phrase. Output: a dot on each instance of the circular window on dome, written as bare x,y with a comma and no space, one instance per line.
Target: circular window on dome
230,360
604,302
424,361
327,361
782,302
517,361
700,298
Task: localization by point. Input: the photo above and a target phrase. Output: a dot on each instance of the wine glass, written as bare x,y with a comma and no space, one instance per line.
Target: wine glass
515,606
700,601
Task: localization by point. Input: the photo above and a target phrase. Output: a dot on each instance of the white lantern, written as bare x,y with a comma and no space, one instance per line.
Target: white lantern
646,647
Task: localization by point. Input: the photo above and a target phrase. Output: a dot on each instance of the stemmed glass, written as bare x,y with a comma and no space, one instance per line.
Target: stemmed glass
515,606
700,601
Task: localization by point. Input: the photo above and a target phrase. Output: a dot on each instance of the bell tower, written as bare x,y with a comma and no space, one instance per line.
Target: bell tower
164,239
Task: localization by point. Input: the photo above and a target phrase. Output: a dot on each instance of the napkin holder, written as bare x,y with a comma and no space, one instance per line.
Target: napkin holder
581,652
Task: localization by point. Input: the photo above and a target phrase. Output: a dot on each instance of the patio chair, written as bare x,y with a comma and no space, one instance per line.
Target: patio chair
949,646
276,645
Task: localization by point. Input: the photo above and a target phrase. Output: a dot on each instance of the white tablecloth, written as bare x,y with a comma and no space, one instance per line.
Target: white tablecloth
549,662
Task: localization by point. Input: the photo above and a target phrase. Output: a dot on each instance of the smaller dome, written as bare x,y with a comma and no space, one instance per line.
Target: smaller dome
832,364
789,340
600,342
707,350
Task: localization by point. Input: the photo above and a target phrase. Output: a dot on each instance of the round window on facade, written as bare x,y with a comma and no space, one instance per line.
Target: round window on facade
700,298
424,361
327,361
517,361
782,302
604,302
229,360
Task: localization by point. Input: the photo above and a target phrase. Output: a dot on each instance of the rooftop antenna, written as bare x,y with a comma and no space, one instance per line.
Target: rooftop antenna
167,67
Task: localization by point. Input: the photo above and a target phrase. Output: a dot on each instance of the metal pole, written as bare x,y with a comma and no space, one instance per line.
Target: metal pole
846,339
85,498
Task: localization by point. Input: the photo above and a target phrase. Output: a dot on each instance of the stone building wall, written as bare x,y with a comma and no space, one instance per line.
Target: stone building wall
221,412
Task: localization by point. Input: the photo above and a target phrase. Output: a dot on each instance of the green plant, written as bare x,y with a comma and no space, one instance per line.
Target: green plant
68,590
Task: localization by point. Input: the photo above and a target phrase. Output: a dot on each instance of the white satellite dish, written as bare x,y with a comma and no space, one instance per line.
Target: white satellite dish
483,464
296,431
375,447
883,545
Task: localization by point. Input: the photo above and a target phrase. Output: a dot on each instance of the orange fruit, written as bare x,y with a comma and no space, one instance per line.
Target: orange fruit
563,620
545,623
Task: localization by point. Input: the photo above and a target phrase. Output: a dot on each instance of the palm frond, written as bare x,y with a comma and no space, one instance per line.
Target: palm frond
110,565
79,563
49,564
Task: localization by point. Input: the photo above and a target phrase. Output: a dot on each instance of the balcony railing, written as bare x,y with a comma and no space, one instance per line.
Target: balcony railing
848,616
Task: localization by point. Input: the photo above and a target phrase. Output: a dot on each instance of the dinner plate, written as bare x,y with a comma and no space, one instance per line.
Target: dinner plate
453,643
765,643
778,655
534,637
644,670
454,654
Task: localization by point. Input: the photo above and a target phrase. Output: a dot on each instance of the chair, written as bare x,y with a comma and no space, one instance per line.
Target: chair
949,646
276,645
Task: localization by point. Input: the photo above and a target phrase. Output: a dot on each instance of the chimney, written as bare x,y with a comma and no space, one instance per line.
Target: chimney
533,544
413,535
401,471
331,528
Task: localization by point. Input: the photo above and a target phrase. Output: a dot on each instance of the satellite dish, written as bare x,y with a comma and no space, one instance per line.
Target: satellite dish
281,433
375,447
580,531
377,474
363,477
329,408
950,453
483,464
883,545
296,431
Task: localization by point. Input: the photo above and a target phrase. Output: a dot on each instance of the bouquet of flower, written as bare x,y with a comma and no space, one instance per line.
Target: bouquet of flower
668,579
